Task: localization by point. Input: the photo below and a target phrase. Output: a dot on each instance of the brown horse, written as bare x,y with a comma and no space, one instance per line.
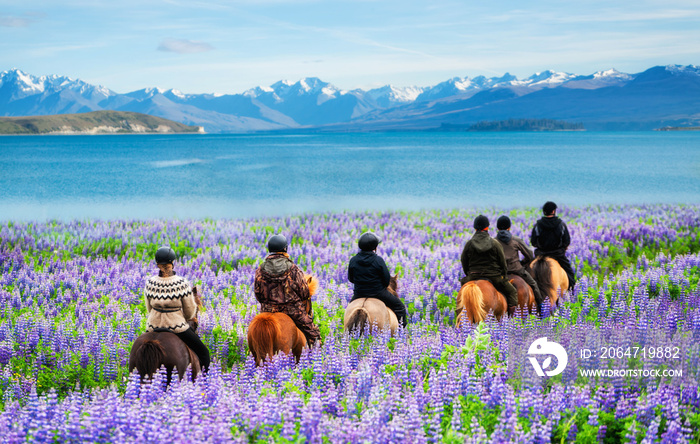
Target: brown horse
526,297
476,298
152,350
550,277
363,311
270,333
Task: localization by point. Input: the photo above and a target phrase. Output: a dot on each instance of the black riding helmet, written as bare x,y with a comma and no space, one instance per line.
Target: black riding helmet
481,222
368,241
549,208
503,223
277,244
165,255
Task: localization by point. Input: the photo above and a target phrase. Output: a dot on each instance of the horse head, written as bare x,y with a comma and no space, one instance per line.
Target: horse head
393,285
312,282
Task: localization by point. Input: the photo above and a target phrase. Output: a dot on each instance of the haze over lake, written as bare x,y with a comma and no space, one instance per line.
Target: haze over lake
196,176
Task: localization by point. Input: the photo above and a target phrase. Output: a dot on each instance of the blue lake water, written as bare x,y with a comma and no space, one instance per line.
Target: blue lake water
145,176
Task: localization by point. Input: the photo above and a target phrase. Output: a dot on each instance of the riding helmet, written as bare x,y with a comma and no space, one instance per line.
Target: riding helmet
368,241
481,222
277,244
549,208
503,223
165,255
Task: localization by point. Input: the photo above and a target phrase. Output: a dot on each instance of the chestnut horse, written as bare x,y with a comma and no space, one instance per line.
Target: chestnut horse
372,311
476,298
270,333
550,277
154,349
526,296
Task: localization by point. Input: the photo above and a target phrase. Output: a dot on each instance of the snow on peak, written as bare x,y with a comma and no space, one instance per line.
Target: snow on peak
177,93
680,69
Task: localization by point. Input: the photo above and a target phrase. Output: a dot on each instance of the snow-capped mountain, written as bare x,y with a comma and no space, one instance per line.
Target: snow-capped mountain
389,96
606,99
458,86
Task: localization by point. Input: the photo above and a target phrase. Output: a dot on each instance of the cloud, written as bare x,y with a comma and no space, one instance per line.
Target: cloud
14,22
184,46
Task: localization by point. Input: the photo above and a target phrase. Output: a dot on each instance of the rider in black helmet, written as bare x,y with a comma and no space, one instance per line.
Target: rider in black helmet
513,246
371,276
483,258
280,287
170,303
551,238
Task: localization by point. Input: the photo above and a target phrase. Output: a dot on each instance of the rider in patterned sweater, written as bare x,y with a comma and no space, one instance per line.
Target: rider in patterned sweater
280,287
171,303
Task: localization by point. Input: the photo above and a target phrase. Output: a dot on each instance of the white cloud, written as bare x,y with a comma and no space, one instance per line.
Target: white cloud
184,46
14,22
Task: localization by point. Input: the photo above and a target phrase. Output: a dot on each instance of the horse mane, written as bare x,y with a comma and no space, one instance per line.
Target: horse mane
358,320
261,336
473,302
543,276
312,282
148,358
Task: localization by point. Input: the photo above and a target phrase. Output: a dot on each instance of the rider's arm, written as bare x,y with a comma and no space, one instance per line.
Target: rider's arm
501,258
465,260
385,275
302,287
351,272
189,306
257,286
534,236
527,253
566,238
148,304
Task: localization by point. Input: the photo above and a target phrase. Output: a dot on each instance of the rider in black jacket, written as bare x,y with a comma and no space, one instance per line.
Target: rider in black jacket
371,276
551,238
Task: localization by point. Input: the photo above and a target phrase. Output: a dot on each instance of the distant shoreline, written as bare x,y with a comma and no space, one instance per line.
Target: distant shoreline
679,128
93,123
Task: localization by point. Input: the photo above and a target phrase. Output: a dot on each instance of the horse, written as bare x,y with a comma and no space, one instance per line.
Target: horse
270,333
550,277
154,349
477,298
372,311
526,296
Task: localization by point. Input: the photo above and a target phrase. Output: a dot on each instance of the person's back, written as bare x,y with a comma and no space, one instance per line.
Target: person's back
513,246
280,287
370,276
170,304
483,258
550,237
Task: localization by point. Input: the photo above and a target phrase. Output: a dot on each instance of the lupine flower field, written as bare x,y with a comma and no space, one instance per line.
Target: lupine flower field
71,303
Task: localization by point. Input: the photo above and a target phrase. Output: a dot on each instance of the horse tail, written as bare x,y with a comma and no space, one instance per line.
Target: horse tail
149,357
543,276
358,320
473,302
261,336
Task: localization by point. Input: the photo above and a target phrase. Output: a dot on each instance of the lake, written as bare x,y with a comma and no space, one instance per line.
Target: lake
195,176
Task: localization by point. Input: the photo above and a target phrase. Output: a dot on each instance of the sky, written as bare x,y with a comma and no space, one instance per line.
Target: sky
230,46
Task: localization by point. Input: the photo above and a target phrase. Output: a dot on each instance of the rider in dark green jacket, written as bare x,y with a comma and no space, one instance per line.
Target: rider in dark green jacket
483,258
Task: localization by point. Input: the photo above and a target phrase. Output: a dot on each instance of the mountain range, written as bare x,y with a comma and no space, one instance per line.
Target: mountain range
606,100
